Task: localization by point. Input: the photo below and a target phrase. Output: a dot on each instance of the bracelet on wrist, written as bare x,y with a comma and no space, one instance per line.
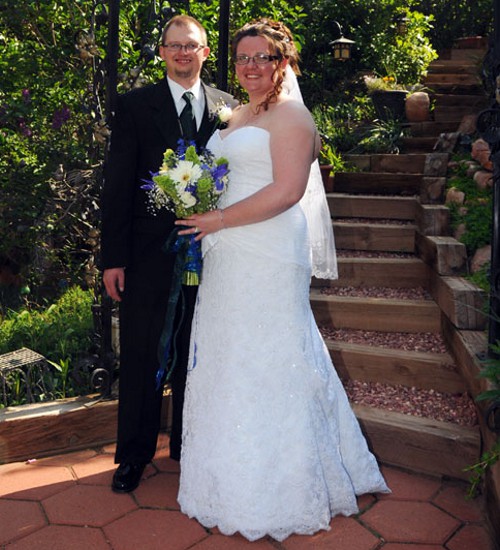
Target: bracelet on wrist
221,217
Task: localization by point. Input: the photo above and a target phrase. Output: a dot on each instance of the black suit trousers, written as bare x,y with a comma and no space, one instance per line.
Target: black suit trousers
142,316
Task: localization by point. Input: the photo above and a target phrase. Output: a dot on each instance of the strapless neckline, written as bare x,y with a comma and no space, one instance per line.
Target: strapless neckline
223,138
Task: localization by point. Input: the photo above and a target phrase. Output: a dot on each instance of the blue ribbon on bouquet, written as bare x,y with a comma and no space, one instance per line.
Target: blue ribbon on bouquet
187,270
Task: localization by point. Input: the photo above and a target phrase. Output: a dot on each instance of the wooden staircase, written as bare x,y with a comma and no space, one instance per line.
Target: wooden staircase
392,231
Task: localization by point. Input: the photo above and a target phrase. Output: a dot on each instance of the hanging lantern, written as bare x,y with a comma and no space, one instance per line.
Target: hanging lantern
342,46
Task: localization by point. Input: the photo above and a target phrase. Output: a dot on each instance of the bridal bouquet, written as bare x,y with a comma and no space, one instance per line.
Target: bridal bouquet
188,182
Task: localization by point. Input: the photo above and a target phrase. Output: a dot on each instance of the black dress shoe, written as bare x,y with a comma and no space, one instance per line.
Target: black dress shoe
127,477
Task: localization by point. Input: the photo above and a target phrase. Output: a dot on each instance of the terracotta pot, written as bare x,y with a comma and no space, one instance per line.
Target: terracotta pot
327,179
417,107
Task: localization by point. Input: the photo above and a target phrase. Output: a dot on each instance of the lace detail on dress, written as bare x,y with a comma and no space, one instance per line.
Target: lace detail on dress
270,444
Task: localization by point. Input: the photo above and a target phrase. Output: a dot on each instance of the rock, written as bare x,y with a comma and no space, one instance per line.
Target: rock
454,196
459,231
483,179
480,258
481,153
472,169
468,125
417,107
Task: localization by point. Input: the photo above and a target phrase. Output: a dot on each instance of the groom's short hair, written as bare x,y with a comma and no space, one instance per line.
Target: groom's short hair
184,21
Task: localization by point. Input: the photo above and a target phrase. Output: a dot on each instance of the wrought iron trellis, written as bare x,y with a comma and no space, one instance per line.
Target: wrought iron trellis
488,125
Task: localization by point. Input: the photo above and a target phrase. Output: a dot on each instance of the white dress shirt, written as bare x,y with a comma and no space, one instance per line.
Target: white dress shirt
198,102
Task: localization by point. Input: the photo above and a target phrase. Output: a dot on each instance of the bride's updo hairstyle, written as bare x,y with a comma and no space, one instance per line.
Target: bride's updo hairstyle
281,44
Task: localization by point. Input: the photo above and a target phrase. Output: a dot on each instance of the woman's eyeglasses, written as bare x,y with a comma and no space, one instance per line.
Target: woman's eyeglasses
176,47
258,59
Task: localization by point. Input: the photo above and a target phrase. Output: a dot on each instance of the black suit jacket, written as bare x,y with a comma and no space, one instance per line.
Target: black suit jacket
144,125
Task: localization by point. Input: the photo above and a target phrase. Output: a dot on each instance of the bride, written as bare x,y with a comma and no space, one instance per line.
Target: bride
270,443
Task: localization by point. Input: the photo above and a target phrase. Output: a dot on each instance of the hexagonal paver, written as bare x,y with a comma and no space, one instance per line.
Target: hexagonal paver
365,501
404,546
164,463
344,533
19,518
87,505
97,470
154,530
236,542
159,491
32,481
453,500
405,486
403,521
471,537
67,459
59,537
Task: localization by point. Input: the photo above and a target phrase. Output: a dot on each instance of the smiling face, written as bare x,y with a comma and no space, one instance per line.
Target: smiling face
184,67
256,78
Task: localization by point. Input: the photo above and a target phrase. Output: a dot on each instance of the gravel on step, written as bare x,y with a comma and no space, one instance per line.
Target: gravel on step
415,293
377,221
347,253
446,407
429,342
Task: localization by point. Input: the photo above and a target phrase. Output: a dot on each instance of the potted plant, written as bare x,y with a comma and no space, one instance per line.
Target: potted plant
330,162
388,96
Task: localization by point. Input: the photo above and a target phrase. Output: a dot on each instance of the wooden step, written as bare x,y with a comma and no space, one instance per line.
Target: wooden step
373,236
378,183
420,444
444,254
379,314
453,113
368,206
475,101
430,371
412,163
463,303
418,144
431,128
378,272
464,79
452,66
47,429
465,55
456,88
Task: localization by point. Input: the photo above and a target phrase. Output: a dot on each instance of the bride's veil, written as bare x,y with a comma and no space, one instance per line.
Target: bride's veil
315,207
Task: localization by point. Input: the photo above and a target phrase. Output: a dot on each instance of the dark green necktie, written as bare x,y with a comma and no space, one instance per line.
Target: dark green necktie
188,122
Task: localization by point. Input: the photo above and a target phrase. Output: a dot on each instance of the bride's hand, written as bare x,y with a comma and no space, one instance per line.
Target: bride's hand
202,224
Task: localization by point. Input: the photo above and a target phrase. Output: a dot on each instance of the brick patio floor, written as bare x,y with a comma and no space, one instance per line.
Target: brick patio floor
66,503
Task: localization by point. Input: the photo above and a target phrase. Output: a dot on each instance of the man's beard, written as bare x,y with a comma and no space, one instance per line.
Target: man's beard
187,73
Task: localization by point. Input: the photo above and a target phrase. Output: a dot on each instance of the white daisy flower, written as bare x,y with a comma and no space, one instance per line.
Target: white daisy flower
185,172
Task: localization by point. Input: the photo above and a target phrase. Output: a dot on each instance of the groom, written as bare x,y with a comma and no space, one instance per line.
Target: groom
137,273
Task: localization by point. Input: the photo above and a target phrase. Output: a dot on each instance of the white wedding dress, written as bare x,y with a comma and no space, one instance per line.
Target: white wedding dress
270,444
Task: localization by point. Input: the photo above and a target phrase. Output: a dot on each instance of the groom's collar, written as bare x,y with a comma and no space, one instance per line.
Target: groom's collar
178,90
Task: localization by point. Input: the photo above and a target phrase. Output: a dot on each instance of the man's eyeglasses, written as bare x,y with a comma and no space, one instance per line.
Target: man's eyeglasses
258,59
176,47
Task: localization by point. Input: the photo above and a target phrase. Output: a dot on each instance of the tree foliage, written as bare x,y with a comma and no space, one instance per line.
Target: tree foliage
52,99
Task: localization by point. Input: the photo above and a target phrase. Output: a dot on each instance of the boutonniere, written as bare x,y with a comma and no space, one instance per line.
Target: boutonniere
223,112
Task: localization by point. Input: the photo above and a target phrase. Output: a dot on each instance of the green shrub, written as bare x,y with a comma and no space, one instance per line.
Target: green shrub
63,334
61,331
475,213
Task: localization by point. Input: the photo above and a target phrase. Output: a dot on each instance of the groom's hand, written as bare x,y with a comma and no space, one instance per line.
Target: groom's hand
114,282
